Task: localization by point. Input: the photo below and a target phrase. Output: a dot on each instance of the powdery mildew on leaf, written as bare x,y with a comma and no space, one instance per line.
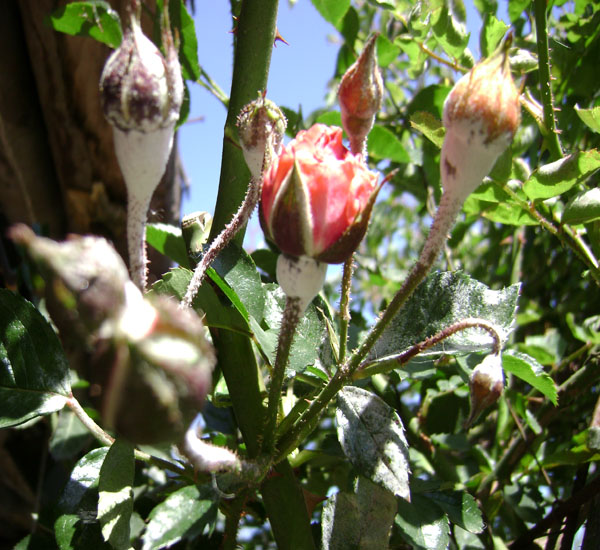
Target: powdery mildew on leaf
372,437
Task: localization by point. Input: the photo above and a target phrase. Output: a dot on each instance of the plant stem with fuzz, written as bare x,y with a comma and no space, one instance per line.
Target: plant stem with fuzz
239,220
291,316
345,306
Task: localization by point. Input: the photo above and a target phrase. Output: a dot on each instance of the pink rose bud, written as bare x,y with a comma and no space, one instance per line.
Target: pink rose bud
261,126
481,116
359,95
486,384
317,197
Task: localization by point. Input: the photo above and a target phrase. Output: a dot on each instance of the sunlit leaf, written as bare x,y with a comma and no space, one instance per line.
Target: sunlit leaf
429,126
95,19
584,208
557,177
443,299
372,437
423,524
115,499
383,144
362,519
168,241
528,369
332,10
492,33
182,515
590,117
34,373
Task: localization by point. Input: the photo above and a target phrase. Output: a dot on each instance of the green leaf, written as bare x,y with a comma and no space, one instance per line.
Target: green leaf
584,208
557,177
95,19
219,312
491,34
65,531
79,494
383,144
188,49
34,373
449,30
362,519
588,331
461,508
332,10
310,332
516,8
590,117
429,126
529,370
167,239
183,515
331,118
115,499
236,267
423,524
387,52
442,299
69,437
372,437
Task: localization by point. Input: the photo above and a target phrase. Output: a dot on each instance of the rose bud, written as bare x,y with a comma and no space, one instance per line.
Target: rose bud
141,94
261,126
481,116
485,384
160,369
85,280
360,94
317,197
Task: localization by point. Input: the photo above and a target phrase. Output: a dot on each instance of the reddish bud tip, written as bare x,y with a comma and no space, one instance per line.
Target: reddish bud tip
360,95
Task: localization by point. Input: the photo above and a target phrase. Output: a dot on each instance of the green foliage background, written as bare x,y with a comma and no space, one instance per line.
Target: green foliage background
525,475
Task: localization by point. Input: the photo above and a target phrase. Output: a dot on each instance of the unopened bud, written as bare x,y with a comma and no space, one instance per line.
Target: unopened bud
360,95
261,126
485,384
481,116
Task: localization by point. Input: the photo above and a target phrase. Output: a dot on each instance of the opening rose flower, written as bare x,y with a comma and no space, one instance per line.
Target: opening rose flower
317,197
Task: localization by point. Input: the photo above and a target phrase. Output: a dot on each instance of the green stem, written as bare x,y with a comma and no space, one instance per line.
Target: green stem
554,145
345,307
443,222
255,35
289,322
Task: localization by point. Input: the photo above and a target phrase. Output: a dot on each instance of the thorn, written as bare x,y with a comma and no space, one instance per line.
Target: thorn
235,25
280,38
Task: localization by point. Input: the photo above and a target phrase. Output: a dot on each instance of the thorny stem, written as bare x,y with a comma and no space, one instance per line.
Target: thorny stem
573,242
540,7
370,368
291,316
239,220
448,209
233,514
108,440
345,306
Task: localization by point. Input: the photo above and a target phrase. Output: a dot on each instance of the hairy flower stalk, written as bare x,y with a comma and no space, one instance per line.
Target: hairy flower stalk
261,126
141,94
481,115
360,95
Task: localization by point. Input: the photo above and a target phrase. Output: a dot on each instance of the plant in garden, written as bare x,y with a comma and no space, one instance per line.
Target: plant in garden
427,411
